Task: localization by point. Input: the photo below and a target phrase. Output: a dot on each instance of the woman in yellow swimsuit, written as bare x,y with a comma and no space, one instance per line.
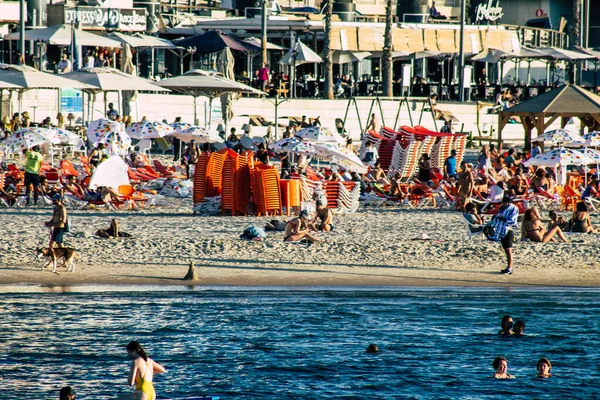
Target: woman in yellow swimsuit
141,372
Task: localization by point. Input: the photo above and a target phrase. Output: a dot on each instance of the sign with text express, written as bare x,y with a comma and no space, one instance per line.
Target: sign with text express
131,20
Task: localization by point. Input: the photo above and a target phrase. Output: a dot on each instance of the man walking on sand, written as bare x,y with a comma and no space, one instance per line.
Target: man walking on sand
502,224
58,221
32,174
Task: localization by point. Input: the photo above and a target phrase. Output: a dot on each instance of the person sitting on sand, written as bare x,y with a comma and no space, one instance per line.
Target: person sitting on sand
543,368
519,327
506,324
557,220
325,217
533,229
539,182
580,222
298,229
112,231
475,220
500,364
66,393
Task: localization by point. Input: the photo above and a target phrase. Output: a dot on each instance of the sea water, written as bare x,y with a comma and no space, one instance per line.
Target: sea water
288,343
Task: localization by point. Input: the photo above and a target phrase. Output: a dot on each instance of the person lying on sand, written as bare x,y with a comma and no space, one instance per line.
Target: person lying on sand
298,229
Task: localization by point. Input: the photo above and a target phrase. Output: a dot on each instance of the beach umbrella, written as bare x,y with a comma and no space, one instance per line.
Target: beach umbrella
318,134
340,157
68,138
558,136
101,127
198,134
226,63
149,130
61,35
556,157
178,127
345,57
491,56
303,147
26,138
300,54
593,155
116,143
283,145
559,158
592,138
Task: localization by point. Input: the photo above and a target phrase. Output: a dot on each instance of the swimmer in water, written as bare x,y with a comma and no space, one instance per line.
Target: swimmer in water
141,372
544,367
518,328
67,393
506,324
372,348
501,366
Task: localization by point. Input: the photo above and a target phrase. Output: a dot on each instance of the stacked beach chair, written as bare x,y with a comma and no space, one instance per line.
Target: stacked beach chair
243,178
266,190
230,166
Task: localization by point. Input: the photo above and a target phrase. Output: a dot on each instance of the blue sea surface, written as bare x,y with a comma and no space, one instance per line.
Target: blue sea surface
297,343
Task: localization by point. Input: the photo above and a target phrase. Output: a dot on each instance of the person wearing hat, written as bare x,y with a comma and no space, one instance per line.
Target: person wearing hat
500,229
450,166
298,229
58,221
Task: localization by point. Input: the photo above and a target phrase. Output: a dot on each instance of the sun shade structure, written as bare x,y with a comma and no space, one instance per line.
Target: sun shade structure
197,83
213,41
62,35
344,57
140,40
565,55
111,79
540,112
255,42
491,56
30,78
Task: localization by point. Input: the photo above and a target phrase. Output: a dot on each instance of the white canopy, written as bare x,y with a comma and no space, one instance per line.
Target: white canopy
111,173
30,78
140,40
300,54
62,35
111,79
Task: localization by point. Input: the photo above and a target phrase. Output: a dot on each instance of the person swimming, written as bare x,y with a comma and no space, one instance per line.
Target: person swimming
518,328
500,364
372,348
506,324
544,367
141,372
66,393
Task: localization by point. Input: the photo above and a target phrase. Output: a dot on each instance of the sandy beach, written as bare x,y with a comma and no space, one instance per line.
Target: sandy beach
374,247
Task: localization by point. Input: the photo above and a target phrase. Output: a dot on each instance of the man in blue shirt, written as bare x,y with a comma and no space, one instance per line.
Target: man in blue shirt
502,224
535,150
450,166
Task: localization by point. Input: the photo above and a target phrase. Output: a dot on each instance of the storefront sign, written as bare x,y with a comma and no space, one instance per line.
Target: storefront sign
489,11
133,19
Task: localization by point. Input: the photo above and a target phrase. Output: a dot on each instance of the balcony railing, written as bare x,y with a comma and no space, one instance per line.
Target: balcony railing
537,37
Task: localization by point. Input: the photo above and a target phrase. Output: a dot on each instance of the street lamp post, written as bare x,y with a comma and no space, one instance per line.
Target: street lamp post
461,57
192,51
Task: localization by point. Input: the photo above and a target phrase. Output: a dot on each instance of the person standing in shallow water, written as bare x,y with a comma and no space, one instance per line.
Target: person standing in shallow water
500,364
141,372
544,367
507,325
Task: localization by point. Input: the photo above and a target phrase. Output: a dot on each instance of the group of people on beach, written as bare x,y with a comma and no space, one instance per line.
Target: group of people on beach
500,363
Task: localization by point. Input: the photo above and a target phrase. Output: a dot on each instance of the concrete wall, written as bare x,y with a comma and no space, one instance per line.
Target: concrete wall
159,107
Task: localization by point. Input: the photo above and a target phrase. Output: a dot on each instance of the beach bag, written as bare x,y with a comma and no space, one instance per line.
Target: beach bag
253,233
67,227
489,231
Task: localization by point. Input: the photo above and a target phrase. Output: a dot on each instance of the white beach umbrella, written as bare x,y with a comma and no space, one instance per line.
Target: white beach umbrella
558,136
318,134
26,138
149,130
559,158
102,127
